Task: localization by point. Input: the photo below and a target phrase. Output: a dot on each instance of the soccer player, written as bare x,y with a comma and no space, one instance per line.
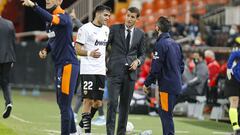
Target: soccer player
91,46
167,68
59,29
232,88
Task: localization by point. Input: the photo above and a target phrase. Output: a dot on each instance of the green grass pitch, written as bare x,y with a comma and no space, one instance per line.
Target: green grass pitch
40,116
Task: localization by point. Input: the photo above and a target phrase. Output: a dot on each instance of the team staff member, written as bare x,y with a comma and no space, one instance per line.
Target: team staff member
7,58
59,30
232,88
91,46
167,68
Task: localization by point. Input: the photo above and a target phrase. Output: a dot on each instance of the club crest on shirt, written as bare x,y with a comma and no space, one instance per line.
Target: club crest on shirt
85,92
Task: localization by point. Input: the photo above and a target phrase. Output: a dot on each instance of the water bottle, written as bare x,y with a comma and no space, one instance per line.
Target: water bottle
146,132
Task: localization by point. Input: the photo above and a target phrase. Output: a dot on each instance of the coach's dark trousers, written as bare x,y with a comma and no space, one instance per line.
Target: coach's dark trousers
4,81
119,86
66,80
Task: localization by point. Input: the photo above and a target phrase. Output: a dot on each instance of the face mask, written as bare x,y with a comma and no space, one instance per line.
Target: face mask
50,10
196,61
208,60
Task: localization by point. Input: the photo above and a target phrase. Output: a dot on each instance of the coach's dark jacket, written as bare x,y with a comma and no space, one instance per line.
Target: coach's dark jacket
167,65
119,55
7,41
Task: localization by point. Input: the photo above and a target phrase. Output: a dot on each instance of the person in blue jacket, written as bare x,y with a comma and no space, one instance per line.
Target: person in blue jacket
232,88
59,30
167,68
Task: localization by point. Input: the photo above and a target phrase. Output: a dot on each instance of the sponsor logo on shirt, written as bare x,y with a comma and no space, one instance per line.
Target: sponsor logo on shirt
100,43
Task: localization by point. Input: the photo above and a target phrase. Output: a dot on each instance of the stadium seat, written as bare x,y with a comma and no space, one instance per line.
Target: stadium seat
200,7
146,7
162,12
173,3
150,25
120,16
159,4
139,23
211,2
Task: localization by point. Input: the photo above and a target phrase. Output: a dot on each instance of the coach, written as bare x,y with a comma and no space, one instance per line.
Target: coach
126,55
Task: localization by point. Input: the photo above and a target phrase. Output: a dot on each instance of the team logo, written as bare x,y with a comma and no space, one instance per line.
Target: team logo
85,92
106,33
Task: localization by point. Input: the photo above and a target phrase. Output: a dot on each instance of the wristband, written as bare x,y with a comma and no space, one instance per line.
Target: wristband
88,53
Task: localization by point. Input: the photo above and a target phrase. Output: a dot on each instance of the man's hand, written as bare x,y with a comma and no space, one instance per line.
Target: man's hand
95,53
146,89
134,65
28,3
42,54
229,73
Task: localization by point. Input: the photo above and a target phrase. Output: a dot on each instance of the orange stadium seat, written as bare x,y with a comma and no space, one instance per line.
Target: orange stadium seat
161,12
181,1
139,23
159,4
149,24
223,1
173,3
146,7
120,16
200,7
211,2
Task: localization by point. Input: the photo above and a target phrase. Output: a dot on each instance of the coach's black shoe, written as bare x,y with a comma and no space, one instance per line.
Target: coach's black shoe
7,111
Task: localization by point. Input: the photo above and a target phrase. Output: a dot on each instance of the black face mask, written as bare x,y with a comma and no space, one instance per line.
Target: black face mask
196,61
50,10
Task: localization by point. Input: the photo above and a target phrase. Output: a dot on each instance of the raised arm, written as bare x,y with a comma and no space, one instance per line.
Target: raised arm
54,19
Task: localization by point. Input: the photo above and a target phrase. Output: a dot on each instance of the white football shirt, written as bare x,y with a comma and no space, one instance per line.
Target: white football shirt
93,37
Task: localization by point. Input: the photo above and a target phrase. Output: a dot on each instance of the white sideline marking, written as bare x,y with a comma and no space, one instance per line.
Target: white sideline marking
221,133
20,119
182,132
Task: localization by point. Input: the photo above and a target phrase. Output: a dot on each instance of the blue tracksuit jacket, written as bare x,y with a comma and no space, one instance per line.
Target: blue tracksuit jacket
167,65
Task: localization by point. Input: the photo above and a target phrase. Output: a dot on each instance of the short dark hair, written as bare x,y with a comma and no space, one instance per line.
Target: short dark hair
101,8
134,10
164,24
